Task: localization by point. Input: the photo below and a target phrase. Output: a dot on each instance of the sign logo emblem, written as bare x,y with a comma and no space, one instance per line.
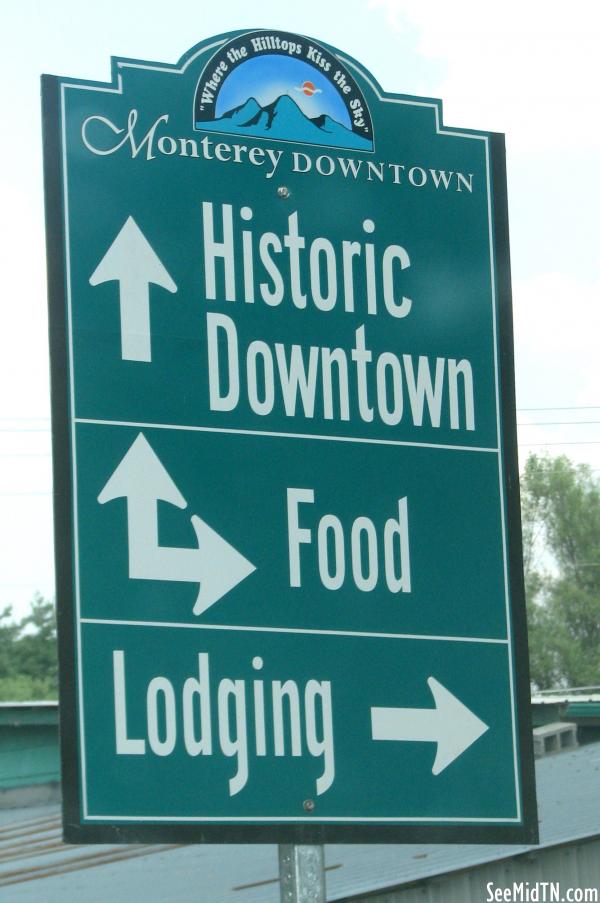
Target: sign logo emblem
284,87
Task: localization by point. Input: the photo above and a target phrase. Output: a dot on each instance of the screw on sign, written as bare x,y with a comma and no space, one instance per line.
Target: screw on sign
287,522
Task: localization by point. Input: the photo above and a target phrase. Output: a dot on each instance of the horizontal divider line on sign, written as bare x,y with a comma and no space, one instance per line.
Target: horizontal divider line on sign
273,819
350,633
211,429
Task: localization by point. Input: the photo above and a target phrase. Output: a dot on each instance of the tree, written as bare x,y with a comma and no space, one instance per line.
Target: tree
561,514
28,656
37,642
8,633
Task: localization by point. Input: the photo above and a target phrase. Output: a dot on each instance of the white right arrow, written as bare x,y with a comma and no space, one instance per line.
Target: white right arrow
450,724
142,479
132,262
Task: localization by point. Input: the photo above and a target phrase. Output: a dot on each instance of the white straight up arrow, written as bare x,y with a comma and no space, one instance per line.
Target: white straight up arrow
450,724
132,262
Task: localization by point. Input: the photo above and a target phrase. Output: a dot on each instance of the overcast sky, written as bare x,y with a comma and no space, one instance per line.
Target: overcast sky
529,69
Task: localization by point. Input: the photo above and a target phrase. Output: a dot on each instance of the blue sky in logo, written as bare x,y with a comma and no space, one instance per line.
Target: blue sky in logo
267,77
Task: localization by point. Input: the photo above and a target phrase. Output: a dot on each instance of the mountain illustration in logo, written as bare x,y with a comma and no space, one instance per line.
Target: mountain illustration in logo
283,120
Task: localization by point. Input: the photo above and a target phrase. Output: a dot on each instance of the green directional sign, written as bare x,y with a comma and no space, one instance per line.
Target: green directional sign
287,517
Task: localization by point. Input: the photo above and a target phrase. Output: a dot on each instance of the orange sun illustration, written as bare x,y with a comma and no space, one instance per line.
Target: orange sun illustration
308,88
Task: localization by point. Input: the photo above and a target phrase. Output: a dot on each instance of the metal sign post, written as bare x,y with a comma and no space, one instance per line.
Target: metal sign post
302,873
290,585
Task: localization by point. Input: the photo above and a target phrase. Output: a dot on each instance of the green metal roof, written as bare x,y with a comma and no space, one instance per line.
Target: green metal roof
28,744
581,710
19,714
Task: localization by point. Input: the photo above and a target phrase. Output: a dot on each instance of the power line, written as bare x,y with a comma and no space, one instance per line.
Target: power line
25,454
584,442
582,407
12,494
561,423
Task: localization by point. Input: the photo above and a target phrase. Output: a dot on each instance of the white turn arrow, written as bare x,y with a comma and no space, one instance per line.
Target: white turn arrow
142,479
450,724
133,263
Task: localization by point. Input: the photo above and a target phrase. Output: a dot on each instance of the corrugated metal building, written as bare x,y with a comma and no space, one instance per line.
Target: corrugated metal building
35,867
